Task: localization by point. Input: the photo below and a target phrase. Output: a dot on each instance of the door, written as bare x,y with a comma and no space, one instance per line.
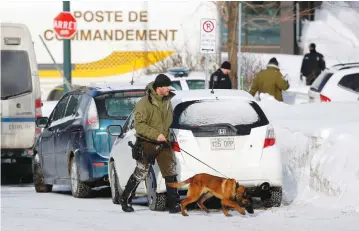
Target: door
48,139
123,157
17,101
65,132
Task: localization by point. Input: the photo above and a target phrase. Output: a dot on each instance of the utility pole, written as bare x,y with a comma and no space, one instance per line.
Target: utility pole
239,76
67,54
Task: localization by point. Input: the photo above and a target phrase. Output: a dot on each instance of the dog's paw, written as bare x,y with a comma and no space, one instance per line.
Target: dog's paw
185,214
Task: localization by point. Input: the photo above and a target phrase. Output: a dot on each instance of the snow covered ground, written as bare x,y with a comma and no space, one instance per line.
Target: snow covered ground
319,144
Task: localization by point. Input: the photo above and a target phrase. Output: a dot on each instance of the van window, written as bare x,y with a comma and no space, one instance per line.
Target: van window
15,73
117,105
320,82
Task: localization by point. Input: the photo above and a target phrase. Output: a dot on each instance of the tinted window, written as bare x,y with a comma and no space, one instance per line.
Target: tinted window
195,84
72,105
320,82
15,73
176,85
117,105
60,109
350,82
204,118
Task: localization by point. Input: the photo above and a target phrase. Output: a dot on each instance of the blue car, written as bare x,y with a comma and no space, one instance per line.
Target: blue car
74,147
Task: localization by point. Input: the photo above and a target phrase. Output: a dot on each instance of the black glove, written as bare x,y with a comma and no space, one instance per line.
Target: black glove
137,150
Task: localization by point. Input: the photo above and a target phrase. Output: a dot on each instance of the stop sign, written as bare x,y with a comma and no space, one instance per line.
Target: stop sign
65,25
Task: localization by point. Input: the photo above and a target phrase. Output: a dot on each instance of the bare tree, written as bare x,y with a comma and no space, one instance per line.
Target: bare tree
229,12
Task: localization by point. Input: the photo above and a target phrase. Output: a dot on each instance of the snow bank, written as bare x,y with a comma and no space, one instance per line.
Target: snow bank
319,145
334,31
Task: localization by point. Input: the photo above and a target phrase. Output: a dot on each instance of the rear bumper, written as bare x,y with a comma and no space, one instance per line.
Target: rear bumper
7,154
92,166
269,170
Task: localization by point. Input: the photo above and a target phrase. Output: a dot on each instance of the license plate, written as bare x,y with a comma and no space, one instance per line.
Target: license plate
222,144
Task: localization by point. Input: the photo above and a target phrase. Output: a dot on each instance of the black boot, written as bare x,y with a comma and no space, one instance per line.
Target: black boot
131,185
172,196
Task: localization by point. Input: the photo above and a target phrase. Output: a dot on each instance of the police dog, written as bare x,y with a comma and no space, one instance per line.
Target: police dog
204,186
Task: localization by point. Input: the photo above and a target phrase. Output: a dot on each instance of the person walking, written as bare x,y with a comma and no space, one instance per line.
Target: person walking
270,81
220,78
312,65
153,118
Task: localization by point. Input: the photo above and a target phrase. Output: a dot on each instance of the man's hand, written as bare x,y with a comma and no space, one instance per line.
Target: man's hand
161,138
301,77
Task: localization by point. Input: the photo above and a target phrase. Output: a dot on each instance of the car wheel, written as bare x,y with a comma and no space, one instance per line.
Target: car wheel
156,201
38,177
275,199
114,184
78,188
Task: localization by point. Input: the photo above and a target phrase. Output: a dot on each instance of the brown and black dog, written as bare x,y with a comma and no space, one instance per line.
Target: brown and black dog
205,186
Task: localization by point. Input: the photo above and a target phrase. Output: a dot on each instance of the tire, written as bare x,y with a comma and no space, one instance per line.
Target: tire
275,199
156,201
116,191
78,188
38,177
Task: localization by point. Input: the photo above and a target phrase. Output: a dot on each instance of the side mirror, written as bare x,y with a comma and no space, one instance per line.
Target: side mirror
41,122
115,130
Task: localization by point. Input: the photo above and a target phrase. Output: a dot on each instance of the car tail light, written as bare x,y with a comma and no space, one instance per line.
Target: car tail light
270,137
92,121
175,147
38,113
323,98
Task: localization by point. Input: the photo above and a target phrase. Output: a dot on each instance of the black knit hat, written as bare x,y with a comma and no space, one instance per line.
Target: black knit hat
312,45
161,81
273,61
226,65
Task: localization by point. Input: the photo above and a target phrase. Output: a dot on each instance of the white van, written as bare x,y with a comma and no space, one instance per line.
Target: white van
20,93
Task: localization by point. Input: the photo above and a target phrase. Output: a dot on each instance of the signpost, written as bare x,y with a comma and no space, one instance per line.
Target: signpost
208,41
65,26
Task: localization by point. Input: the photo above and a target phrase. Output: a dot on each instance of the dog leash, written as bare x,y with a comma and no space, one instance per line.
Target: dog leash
203,163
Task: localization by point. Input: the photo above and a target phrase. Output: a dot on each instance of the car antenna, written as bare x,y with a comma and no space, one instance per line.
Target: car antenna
213,84
133,73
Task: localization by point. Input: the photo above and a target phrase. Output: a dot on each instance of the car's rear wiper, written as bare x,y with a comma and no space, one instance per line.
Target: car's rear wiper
13,95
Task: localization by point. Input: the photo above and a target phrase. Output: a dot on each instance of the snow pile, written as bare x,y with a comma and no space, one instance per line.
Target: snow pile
319,145
334,31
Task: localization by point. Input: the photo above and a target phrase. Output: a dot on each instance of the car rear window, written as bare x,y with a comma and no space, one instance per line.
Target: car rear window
350,82
236,113
195,84
15,73
117,105
320,82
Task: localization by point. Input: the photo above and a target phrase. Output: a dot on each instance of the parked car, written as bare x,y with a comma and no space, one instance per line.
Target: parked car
226,130
74,146
339,83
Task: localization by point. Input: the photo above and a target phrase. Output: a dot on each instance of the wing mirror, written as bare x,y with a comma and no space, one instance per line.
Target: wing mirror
41,122
115,130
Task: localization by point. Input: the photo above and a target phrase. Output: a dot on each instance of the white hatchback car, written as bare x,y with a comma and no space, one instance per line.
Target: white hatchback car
339,83
225,134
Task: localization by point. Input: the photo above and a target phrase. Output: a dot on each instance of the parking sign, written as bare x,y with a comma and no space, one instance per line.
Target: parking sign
208,36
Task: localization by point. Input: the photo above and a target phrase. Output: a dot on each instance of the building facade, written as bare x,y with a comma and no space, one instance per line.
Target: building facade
271,26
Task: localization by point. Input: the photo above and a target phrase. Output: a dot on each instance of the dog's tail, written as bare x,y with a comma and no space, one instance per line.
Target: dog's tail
179,184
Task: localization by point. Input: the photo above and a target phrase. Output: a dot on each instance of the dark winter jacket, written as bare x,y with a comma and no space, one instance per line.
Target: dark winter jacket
220,81
269,81
313,64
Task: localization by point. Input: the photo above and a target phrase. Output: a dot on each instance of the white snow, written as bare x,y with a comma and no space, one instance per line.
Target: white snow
319,144
212,112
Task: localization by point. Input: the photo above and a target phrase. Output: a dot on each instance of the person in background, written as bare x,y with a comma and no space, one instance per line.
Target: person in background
312,65
270,81
220,79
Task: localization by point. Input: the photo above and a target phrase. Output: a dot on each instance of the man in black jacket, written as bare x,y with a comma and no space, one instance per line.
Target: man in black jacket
313,64
220,79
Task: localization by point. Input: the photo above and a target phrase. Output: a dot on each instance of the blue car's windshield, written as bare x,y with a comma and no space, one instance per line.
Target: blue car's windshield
117,105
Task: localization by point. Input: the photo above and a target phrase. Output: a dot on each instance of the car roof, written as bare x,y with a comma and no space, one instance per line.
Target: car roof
96,89
205,94
344,66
